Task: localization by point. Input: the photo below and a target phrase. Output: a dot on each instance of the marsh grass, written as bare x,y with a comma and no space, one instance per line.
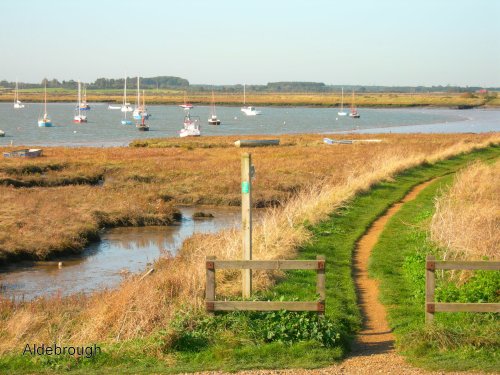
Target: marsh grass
467,219
268,98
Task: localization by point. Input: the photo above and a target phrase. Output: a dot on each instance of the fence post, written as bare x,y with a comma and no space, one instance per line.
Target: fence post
430,285
320,283
210,283
246,220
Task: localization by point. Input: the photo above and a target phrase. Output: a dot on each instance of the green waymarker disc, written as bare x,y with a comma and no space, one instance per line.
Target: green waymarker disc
245,187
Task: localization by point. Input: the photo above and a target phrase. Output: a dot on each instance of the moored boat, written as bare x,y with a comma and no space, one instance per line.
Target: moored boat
45,121
213,120
79,118
354,112
191,127
342,112
17,103
248,110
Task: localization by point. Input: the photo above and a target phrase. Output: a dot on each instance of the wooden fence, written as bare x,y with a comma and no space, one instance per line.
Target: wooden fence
319,265
430,284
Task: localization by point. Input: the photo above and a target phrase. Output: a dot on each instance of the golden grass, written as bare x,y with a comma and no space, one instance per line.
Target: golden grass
271,98
467,218
332,175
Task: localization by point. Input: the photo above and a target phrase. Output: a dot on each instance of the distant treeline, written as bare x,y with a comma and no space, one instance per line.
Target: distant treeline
169,82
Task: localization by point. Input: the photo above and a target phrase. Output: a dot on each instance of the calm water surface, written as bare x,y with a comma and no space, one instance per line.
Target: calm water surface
104,264
104,127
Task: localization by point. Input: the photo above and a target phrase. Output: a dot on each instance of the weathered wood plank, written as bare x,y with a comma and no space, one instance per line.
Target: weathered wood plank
467,265
267,264
210,283
430,285
466,307
265,306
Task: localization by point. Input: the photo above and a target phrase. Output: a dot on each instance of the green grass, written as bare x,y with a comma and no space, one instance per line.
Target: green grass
456,341
238,341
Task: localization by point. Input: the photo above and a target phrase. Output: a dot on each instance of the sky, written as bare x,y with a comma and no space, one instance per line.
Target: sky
349,42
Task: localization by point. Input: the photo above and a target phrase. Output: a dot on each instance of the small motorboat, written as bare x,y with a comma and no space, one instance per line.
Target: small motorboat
191,127
250,111
142,126
2,133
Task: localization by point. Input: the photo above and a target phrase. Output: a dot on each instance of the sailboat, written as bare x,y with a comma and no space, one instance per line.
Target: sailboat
142,126
186,105
140,111
213,120
17,103
45,121
191,126
342,112
79,118
248,110
125,106
83,102
354,112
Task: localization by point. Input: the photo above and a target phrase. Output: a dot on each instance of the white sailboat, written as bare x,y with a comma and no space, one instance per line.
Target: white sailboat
142,126
354,112
83,101
45,121
17,103
187,106
213,120
342,112
79,118
140,110
248,110
125,106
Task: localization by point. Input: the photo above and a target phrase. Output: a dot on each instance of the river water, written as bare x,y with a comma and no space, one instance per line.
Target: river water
104,128
120,252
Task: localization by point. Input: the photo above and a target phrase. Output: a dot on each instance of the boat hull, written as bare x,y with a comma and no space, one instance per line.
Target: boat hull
213,122
45,124
126,122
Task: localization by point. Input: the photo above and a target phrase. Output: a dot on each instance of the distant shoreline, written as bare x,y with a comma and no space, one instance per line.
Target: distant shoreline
365,100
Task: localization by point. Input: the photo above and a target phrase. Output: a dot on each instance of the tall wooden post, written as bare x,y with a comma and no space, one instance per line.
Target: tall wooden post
246,219
321,284
430,285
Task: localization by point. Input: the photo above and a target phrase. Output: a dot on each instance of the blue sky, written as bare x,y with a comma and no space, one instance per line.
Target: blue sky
367,42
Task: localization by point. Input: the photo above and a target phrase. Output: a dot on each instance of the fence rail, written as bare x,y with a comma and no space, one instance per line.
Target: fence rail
432,265
213,305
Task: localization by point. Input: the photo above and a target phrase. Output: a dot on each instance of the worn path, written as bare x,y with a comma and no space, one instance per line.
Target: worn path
373,351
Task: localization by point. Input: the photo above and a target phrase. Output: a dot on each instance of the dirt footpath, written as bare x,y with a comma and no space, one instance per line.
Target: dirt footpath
373,351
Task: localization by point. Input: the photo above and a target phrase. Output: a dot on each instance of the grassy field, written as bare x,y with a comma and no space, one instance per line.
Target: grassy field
190,341
456,341
80,190
272,99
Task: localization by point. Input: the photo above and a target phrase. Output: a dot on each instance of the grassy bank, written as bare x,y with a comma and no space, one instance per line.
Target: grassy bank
81,190
457,341
190,341
271,99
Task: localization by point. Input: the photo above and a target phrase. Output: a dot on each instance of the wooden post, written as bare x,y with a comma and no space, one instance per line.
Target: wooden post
246,220
430,285
320,283
210,283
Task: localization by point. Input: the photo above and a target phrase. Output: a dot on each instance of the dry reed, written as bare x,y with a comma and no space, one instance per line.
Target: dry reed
137,309
466,223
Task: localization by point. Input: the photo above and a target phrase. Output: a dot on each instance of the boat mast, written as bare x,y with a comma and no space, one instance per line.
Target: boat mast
342,101
79,99
244,94
45,104
16,94
213,104
125,93
138,94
